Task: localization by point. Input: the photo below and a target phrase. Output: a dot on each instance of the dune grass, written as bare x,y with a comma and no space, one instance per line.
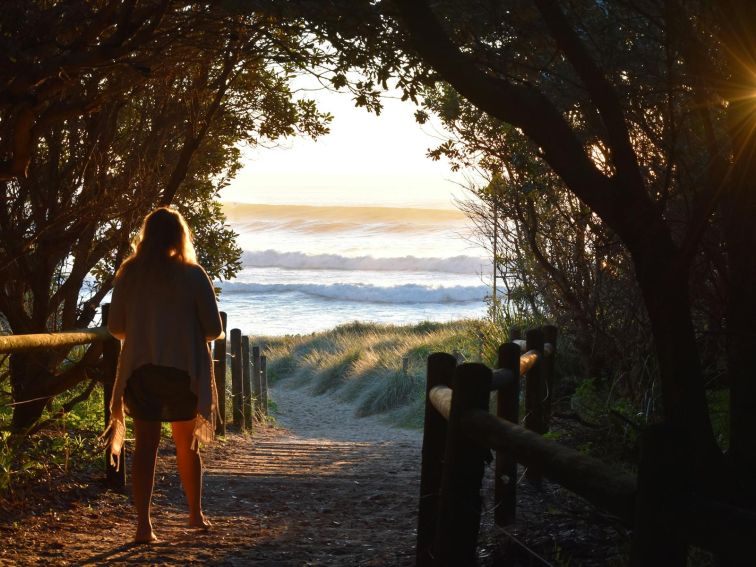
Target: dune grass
361,363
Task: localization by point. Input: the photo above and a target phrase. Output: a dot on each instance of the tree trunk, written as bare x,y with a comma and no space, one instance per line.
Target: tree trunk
741,294
35,382
621,201
28,374
665,290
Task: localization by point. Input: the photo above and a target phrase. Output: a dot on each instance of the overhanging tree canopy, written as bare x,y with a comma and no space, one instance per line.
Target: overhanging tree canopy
170,133
644,110
564,79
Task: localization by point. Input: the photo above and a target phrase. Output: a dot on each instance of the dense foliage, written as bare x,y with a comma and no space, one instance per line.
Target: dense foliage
129,108
617,139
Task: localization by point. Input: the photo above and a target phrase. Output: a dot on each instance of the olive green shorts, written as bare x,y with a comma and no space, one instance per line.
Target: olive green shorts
159,393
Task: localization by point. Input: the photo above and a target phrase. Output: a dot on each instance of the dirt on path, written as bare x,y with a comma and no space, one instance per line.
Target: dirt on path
325,488
322,489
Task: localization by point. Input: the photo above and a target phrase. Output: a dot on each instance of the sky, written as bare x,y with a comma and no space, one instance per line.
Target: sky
364,160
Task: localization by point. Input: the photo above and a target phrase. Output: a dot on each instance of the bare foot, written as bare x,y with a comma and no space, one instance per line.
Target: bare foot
200,522
145,536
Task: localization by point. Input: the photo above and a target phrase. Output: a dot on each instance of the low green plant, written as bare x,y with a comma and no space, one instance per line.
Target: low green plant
6,462
553,435
66,440
587,402
561,558
272,406
719,410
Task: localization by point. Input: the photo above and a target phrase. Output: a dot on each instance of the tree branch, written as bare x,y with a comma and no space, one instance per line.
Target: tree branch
65,409
193,142
602,92
620,202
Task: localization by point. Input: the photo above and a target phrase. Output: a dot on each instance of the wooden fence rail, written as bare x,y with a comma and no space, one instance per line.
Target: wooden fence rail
660,507
10,344
592,479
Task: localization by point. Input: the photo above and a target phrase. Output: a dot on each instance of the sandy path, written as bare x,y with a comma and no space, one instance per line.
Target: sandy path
313,417
332,490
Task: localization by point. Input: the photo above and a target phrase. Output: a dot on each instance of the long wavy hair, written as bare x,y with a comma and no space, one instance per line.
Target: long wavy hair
163,241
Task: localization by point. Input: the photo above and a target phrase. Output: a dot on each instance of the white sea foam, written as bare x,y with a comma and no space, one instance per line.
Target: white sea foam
365,293
302,261
313,267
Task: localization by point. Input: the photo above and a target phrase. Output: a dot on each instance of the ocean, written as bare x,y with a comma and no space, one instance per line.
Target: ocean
308,268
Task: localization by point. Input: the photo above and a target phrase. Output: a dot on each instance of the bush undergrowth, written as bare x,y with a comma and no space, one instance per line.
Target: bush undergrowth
67,442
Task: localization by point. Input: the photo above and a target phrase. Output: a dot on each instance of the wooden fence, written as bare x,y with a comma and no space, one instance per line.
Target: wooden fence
660,506
249,374
249,382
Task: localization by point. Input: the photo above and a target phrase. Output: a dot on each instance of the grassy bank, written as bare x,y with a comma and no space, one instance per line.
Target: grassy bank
361,363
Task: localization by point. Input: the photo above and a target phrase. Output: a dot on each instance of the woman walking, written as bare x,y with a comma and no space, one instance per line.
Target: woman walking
164,311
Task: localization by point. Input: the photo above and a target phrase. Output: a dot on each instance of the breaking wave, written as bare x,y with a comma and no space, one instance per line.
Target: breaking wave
366,293
302,261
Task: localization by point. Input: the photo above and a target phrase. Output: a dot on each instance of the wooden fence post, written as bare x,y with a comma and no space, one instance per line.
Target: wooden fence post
534,394
549,363
515,334
440,371
658,535
507,407
111,349
464,460
237,392
264,384
256,384
246,383
247,375
219,368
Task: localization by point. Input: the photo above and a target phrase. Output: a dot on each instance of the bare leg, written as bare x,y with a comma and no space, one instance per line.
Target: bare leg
190,470
147,435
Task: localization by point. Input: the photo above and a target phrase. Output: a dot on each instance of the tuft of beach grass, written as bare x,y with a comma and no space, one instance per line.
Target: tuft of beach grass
362,364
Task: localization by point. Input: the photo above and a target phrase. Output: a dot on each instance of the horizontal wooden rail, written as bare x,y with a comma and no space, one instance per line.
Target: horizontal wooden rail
598,483
609,489
10,344
502,377
20,343
440,397
454,451
663,506
548,348
528,360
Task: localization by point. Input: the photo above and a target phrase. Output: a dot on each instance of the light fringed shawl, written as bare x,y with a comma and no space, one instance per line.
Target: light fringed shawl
167,321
